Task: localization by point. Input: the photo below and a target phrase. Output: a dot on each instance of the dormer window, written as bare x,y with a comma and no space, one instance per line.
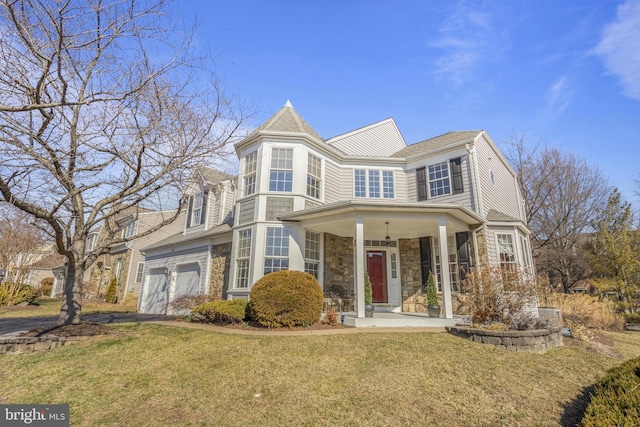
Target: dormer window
197,209
129,229
281,172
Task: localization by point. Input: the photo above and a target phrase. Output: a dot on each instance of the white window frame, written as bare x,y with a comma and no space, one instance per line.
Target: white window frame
373,183
90,243
526,252
276,249
129,229
312,245
452,252
513,263
196,209
314,175
439,184
139,271
281,171
250,173
243,256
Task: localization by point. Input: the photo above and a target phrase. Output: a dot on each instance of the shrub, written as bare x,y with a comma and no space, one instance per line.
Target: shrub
17,293
632,318
499,295
190,302
46,285
432,293
286,298
111,296
616,397
368,292
587,311
227,311
330,317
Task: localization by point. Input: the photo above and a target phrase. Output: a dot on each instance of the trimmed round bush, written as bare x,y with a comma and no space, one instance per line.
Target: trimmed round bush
15,293
286,298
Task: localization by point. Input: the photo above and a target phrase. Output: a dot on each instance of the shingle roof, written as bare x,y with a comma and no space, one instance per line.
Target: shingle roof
182,238
50,261
437,142
212,175
287,120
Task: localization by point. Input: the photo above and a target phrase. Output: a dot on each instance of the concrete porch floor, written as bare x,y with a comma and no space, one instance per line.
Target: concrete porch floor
385,319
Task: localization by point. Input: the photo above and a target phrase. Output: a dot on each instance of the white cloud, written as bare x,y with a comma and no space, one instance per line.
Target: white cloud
620,47
558,97
466,37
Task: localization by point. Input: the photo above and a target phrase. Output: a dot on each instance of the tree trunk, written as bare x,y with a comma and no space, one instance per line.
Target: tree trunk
72,296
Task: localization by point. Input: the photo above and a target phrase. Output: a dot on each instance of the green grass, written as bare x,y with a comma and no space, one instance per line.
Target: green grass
51,307
159,375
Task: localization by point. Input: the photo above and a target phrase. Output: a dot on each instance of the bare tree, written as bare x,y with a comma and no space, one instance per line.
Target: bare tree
21,244
564,196
103,107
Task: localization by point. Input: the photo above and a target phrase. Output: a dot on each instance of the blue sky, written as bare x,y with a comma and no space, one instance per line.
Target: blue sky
563,73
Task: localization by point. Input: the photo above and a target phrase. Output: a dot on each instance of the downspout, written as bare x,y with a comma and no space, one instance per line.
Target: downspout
477,192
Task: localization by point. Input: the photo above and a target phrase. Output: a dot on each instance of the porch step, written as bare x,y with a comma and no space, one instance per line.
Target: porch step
398,320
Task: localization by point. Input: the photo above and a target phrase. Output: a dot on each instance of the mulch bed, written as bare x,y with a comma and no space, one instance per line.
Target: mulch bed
84,329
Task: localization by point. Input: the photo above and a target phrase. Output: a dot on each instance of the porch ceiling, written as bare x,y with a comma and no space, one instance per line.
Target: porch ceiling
406,220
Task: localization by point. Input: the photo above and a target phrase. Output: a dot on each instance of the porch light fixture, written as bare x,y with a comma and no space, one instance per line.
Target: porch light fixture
387,239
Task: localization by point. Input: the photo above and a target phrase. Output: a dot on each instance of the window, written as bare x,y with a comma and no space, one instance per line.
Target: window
506,251
314,174
312,253
251,163
281,173
91,242
367,182
439,184
197,208
360,183
139,272
453,263
242,258
526,253
276,250
129,229
394,266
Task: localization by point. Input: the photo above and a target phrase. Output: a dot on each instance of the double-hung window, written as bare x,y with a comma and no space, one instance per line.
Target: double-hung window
276,250
506,251
139,272
197,208
243,255
312,253
250,168
314,176
439,183
281,172
453,263
129,230
440,179
373,183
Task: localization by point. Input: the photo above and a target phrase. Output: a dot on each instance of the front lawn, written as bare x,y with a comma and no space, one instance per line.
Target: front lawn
51,307
160,375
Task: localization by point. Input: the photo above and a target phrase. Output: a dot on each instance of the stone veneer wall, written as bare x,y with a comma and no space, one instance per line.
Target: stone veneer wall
481,237
338,262
220,268
532,341
413,299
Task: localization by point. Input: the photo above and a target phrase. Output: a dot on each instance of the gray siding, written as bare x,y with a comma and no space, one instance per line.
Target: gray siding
331,182
502,193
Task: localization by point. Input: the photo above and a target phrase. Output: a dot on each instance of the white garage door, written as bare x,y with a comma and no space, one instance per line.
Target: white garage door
156,292
187,281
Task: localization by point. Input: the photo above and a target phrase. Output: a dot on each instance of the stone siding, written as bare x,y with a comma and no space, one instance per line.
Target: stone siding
481,237
532,341
413,299
338,262
220,268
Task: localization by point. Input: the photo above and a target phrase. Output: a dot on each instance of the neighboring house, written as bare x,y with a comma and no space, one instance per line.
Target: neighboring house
44,268
361,201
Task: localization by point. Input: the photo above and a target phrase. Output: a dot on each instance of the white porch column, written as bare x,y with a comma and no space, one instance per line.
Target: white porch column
359,270
444,267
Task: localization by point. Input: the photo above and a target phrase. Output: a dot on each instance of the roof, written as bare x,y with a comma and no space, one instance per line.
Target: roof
287,120
212,176
183,238
437,142
50,261
494,215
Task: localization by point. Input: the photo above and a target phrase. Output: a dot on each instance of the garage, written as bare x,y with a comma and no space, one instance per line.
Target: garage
156,292
187,281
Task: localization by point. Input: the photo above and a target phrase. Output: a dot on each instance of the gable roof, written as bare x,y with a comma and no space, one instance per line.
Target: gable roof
494,215
437,142
212,176
287,120
379,139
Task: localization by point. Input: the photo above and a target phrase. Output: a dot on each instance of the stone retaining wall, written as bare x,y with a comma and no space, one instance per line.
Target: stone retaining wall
532,341
17,345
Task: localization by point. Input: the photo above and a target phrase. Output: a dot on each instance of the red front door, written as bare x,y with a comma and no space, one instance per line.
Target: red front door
377,269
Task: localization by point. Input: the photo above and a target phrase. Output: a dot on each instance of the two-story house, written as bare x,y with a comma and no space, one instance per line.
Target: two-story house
364,201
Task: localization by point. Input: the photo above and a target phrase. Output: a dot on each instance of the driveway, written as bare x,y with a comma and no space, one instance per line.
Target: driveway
13,325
